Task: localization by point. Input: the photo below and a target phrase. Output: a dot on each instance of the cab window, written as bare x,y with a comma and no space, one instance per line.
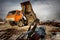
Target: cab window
18,12
11,12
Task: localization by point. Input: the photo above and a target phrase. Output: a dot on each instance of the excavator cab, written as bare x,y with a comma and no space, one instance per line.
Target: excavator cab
14,17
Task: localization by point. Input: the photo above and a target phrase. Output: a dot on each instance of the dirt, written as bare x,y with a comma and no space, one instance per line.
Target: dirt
13,32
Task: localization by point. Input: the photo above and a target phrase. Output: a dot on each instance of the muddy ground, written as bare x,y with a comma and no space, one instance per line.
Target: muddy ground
8,32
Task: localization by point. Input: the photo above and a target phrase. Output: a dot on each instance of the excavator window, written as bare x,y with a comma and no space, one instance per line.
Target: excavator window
11,12
18,12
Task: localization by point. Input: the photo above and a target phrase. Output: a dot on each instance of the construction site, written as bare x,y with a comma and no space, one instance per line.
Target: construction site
25,25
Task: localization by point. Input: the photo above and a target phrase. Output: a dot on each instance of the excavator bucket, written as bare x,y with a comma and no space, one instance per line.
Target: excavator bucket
28,11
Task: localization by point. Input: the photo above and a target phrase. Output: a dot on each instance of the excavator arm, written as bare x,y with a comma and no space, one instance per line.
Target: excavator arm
28,11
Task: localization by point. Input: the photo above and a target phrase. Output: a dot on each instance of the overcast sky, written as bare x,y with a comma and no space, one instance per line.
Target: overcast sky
44,9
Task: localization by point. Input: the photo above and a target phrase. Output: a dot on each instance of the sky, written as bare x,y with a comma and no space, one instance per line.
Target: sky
44,9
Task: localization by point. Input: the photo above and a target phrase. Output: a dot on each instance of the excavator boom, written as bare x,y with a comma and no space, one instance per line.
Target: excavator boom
28,11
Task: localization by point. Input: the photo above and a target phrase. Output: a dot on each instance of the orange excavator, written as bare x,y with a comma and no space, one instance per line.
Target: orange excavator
24,17
14,17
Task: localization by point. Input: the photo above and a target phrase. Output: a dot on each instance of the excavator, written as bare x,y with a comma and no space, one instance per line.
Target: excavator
21,17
